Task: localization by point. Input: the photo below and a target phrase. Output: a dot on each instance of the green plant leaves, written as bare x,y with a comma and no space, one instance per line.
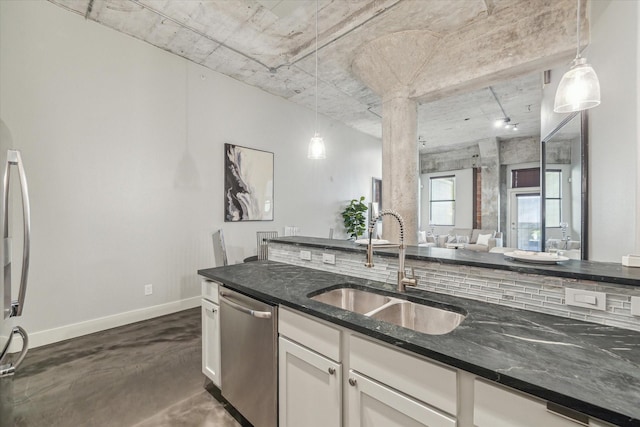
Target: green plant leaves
354,217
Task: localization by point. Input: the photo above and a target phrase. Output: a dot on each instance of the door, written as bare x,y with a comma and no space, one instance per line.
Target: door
211,341
303,373
372,404
524,217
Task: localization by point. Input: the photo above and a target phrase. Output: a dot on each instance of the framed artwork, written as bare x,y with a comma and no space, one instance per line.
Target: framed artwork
248,184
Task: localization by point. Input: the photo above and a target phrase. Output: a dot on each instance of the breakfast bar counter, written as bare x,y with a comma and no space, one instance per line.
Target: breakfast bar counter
587,367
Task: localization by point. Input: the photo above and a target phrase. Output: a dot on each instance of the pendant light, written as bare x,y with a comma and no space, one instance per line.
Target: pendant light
316,145
579,88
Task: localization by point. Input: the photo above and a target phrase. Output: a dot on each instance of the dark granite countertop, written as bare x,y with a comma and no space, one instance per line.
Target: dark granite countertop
591,368
572,269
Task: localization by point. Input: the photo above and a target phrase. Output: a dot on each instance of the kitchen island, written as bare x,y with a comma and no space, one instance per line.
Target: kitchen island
590,368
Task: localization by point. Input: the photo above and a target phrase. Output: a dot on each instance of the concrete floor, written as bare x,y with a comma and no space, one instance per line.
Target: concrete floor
144,374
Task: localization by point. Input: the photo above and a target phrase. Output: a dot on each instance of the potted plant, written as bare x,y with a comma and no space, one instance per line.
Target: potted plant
354,218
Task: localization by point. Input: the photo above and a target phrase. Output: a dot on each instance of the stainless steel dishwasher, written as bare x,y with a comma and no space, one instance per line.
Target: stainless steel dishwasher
248,341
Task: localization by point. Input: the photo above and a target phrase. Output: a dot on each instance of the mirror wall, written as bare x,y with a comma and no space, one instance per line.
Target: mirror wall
564,184
497,169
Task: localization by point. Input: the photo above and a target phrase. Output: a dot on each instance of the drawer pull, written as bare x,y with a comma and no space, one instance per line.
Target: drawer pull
352,382
332,371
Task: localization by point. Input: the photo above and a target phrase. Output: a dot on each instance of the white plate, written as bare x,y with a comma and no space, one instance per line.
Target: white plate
536,257
374,242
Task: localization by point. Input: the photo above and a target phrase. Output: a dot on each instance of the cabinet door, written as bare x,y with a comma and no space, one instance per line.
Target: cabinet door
211,341
310,391
372,404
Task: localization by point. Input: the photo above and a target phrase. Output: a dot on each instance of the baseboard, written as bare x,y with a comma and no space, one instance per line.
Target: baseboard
50,336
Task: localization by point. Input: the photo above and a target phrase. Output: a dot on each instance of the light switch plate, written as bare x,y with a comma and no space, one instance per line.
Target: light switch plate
635,306
587,299
329,259
305,255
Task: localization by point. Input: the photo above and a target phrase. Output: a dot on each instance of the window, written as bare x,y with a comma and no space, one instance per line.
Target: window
442,200
524,178
553,197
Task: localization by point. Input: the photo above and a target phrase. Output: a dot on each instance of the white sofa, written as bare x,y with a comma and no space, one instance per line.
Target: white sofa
467,236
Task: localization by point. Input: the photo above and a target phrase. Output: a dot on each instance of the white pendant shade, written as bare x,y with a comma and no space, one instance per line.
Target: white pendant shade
316,148
579,88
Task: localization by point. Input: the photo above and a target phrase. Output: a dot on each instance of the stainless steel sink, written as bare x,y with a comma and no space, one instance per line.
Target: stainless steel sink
418,317
352,299
421,318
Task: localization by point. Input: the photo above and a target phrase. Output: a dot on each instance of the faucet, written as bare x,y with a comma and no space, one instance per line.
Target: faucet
403,280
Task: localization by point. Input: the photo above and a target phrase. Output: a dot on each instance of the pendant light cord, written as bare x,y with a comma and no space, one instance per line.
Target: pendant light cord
578,31
317,66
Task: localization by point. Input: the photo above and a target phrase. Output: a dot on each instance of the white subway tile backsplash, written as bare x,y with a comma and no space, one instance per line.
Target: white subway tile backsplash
544,294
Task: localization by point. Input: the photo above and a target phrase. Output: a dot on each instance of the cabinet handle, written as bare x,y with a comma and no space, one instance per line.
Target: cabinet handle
352,381
245,310
213,310
332,371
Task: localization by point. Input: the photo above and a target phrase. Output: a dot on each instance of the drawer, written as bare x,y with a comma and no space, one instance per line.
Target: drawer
210,290
497,406
373,403
310,332
419,378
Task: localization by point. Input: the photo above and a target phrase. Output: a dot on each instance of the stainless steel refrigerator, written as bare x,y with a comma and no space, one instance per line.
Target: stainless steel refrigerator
11,169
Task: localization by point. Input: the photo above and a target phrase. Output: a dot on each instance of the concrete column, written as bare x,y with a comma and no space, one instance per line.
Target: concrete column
400,166
389,65
490,184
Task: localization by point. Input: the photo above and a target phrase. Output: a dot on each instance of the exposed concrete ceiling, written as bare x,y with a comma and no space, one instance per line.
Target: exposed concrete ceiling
461,120
270,44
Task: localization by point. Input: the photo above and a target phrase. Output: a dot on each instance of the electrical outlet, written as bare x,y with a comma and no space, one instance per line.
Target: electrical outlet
329,259
305,255
148,289
635,306
588,299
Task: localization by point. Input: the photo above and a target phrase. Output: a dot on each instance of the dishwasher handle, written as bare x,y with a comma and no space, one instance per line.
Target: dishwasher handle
250,312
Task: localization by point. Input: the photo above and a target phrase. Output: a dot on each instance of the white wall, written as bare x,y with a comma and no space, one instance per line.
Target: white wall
123,145
613,130
464,199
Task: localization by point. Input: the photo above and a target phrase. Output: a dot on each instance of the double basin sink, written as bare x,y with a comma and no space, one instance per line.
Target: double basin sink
419,317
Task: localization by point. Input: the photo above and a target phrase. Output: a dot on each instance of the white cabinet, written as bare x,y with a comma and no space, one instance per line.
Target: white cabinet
319,336
386,387
309,387
425,380
309,372
495,406
210,331
372,404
